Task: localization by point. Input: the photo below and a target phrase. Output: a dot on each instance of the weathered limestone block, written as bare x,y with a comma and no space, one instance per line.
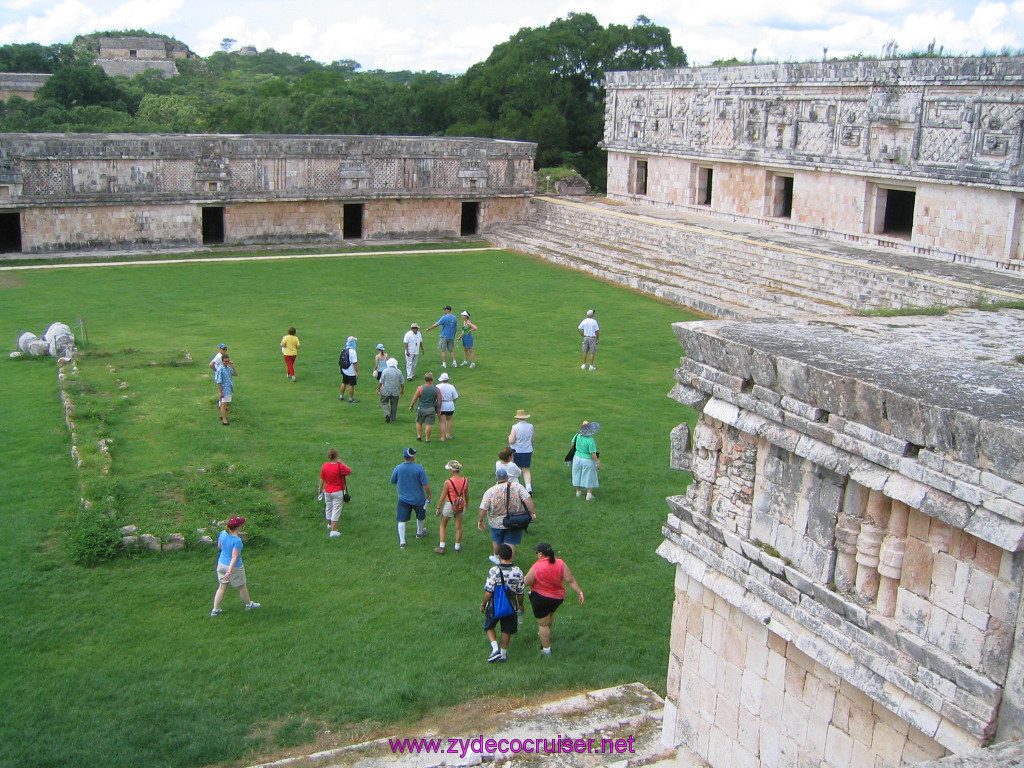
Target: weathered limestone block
149,541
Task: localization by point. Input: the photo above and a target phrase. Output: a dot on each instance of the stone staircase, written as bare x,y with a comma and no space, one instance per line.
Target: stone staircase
731,270
625,717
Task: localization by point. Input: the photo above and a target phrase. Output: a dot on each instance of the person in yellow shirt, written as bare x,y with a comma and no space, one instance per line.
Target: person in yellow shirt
290,347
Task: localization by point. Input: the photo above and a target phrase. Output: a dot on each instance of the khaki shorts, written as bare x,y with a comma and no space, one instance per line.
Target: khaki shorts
426,417
447,511
235,579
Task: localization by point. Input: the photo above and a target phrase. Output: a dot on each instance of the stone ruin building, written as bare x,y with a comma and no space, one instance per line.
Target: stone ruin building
64,192
916,154
21,84
849,555
133,55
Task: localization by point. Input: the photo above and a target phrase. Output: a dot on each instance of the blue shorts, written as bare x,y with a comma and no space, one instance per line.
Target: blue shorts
522,460
505,536
404,512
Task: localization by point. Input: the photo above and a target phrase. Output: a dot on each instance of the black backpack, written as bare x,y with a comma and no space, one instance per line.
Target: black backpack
343,361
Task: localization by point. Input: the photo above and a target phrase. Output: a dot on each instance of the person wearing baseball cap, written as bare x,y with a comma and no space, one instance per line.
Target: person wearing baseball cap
413,341
229,566
413,494
446,343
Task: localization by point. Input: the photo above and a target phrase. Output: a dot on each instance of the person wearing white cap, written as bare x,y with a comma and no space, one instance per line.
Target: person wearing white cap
413,341
468,352
390,387
448,394
591,332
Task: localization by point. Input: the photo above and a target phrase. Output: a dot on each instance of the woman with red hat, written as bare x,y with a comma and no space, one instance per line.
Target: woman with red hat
229,566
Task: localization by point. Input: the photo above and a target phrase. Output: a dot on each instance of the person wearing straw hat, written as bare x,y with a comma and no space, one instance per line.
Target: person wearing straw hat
586,461
452,504
520,440
230,570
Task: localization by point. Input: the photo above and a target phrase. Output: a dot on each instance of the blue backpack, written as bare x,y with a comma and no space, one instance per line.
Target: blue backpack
500,604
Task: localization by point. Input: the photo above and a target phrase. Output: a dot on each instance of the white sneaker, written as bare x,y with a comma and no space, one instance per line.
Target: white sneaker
578,494
444,365
593,368
472,365
334,534
590,497
250,605
583,367
494,559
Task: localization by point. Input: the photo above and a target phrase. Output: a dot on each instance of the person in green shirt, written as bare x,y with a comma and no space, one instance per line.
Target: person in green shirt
586,461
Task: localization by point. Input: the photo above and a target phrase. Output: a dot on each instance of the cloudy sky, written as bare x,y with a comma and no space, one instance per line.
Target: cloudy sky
450,35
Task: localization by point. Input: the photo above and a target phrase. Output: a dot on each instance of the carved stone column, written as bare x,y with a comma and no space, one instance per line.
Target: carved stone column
890,559
847,531
869,543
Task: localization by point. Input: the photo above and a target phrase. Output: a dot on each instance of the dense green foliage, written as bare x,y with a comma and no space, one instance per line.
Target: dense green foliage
542,85
118,665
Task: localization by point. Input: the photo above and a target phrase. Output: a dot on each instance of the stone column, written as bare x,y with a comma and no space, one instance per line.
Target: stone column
847,531
869,542
890,558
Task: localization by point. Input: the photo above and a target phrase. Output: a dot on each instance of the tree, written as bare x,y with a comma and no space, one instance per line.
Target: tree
86,86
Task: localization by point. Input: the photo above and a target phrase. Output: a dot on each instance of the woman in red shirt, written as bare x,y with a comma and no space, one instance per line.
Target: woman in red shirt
332,489
546,581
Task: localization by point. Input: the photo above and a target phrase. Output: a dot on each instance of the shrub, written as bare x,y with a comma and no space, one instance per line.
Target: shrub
94,538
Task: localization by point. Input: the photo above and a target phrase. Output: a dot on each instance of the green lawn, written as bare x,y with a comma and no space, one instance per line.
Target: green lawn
119,664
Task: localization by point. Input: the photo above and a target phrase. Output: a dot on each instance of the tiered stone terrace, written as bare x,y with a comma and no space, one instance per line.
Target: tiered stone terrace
735,270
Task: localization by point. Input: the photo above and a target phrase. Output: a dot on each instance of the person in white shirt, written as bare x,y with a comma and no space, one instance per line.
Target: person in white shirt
413,341
520,440
505,462
590,331
448,394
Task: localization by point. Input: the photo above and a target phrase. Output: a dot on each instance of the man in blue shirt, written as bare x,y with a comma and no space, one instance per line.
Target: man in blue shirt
446,344
413,494
225,378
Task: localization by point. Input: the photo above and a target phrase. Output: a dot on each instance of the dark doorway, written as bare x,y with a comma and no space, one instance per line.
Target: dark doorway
10,233
899,213
352,221
640,178
470,219
213,225
783,198
705,182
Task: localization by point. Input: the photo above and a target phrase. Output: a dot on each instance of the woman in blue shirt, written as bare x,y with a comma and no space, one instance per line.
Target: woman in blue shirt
229,566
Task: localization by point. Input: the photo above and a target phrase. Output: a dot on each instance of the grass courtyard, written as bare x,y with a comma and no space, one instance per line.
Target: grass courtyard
119,664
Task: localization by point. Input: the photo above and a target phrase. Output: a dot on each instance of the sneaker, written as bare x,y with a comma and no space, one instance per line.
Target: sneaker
402,545
495,656
583,367
352,400
421,534
342,398
494,559
439,550
250,605
593,368
578,494
444,365
408,378
590,497
472,365
334,534
216,611
546,651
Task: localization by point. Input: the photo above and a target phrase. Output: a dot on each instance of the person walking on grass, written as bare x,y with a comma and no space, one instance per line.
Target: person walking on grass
215,363
380,362
505,462
230,570
446,343
591,332
586,461
225,378
390,387
290,349
448,394
505,576
498,500
427,402
468,352
413,343
333,486
520,440
452,504
546,580
349,372
413,495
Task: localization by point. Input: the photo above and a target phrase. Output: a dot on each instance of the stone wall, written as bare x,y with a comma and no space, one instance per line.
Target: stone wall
947,130
67,189
23,84
849,554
